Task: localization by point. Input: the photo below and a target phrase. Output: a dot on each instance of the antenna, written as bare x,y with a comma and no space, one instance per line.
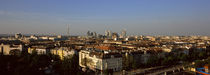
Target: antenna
68,32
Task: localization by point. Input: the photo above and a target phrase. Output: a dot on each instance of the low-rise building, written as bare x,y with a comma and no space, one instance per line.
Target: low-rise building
99,60
7,49
39,49
62,52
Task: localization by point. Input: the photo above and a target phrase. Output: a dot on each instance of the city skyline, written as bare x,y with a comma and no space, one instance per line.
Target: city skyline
188,17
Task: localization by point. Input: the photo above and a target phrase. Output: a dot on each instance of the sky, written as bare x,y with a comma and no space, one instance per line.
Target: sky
137,17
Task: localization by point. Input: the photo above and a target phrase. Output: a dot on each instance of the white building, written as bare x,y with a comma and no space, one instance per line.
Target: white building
34,37
100,61
7,48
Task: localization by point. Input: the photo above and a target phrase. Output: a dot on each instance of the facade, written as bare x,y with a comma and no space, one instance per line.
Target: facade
100,61
34,37
123,34
39,50
62,52
108,34
6,49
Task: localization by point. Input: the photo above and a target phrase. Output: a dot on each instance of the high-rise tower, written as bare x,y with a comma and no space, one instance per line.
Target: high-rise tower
123,34
106,33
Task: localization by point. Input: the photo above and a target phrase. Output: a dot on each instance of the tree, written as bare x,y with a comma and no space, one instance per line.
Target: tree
36,65
134,65
183,57
169,60
14,52
152,61
208,60
67,66
34,52
202,55
199,63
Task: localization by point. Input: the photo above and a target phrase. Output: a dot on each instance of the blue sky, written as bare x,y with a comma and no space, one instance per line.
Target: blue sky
138,17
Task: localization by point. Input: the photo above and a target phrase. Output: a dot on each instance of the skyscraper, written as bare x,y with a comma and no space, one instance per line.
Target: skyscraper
18,35
123,34
88,33
95,34
108,33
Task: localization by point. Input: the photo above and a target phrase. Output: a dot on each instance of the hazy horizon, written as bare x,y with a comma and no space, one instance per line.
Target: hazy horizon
138,17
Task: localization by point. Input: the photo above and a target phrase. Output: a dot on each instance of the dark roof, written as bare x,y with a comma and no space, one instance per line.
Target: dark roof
105,55
11,42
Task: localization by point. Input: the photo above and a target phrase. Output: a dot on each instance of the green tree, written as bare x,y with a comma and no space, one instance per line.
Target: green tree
183,57
15,52
199,63
152,61
134,64
202,55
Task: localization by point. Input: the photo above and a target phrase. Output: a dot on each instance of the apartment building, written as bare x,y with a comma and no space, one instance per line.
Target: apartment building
7,49
99,60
